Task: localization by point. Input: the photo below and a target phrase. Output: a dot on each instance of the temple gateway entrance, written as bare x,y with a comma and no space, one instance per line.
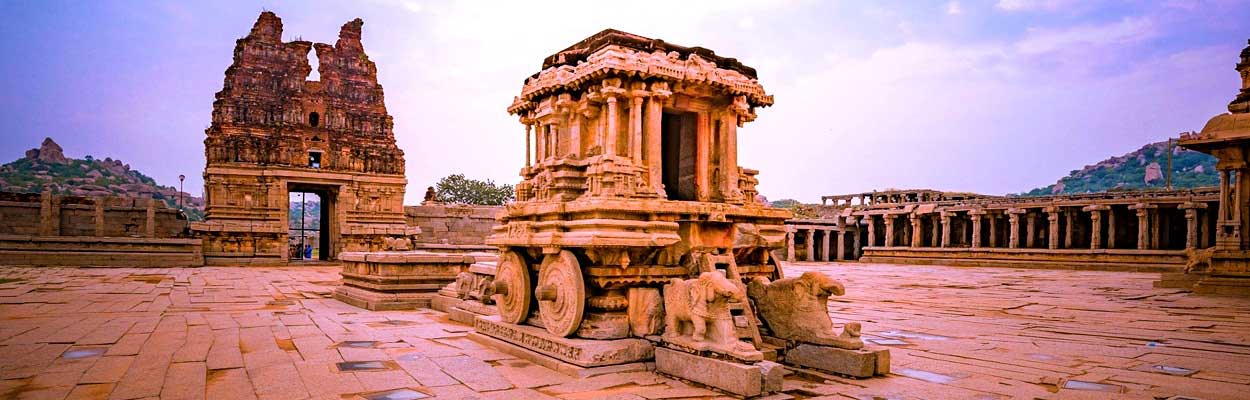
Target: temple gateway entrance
311,231
678,158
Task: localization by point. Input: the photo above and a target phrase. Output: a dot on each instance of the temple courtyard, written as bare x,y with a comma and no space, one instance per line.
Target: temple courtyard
236,333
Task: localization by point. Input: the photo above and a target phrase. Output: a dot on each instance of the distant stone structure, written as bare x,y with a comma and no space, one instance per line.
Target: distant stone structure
53,230
452,224
274,132
1147,230
1227,137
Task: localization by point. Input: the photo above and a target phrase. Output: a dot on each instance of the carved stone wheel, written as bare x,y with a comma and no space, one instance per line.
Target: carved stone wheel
512,288
561,293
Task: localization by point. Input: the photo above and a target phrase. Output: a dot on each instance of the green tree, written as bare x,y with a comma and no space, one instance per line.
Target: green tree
458,189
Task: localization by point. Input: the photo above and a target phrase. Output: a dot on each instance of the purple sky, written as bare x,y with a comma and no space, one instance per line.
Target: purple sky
992,97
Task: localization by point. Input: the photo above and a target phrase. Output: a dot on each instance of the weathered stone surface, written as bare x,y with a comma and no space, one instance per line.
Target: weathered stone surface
735,378
581,352
400,280
697,316
860,363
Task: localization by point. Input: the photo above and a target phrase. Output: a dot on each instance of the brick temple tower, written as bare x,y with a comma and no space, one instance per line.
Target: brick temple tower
274,132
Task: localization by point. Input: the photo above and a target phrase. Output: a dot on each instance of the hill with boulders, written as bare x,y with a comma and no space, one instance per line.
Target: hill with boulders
46,168
1140,169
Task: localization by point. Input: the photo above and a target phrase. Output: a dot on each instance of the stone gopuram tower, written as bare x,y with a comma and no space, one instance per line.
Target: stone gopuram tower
274,132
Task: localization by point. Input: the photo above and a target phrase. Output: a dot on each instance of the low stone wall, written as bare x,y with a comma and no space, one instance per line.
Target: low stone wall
56,215
95,251
1082,259
400,280
456,224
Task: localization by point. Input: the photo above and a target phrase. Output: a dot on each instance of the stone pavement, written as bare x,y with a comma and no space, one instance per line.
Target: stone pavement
273,333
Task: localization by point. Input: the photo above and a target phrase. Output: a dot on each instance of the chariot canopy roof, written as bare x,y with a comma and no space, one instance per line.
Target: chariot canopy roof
615,53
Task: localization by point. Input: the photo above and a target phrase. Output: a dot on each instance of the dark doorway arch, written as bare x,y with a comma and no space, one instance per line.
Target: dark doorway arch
313,119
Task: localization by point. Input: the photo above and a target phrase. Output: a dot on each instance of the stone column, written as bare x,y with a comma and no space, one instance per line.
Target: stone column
856,247
1030,230
653,130
99,216
528,128
1052,217
1111,233
729,158
993,229
1013,218
946,229
610,146
1155,225
1069,219
1095,222
790,244
811,245
842,244
49,214
702,157
1191,228
540,143
635,125
575,135
149,227
872,231
1143,225
976,228
824,245
889,230
917,234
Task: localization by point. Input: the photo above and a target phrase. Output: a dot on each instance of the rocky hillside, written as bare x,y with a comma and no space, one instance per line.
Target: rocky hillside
1141,169
47,168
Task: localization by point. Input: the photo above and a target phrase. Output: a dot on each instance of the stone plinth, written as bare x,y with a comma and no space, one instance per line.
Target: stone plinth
96,251
863,363
740,379
580,352
399,280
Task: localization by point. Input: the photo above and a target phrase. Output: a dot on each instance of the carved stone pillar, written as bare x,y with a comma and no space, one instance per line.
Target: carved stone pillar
1191,228
1030,230
811,245
946,229
824,244
1144,240
993,229
635,125
1013,218
976,229
528,128
872,231
1111,232
653,131
1069,219
1052,219
857,249
1095,222
889,230
917,234
842,244
729,158
702,159
575,135
611,145
790,244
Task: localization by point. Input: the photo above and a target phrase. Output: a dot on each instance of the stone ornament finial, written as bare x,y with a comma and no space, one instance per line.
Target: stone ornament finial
697,315
796,309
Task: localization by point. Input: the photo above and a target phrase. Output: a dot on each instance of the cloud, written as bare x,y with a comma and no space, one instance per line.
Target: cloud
1034,5
1129,30
953,8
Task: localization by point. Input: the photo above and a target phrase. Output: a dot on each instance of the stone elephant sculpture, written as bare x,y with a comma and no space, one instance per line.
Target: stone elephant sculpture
698,310
796,309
